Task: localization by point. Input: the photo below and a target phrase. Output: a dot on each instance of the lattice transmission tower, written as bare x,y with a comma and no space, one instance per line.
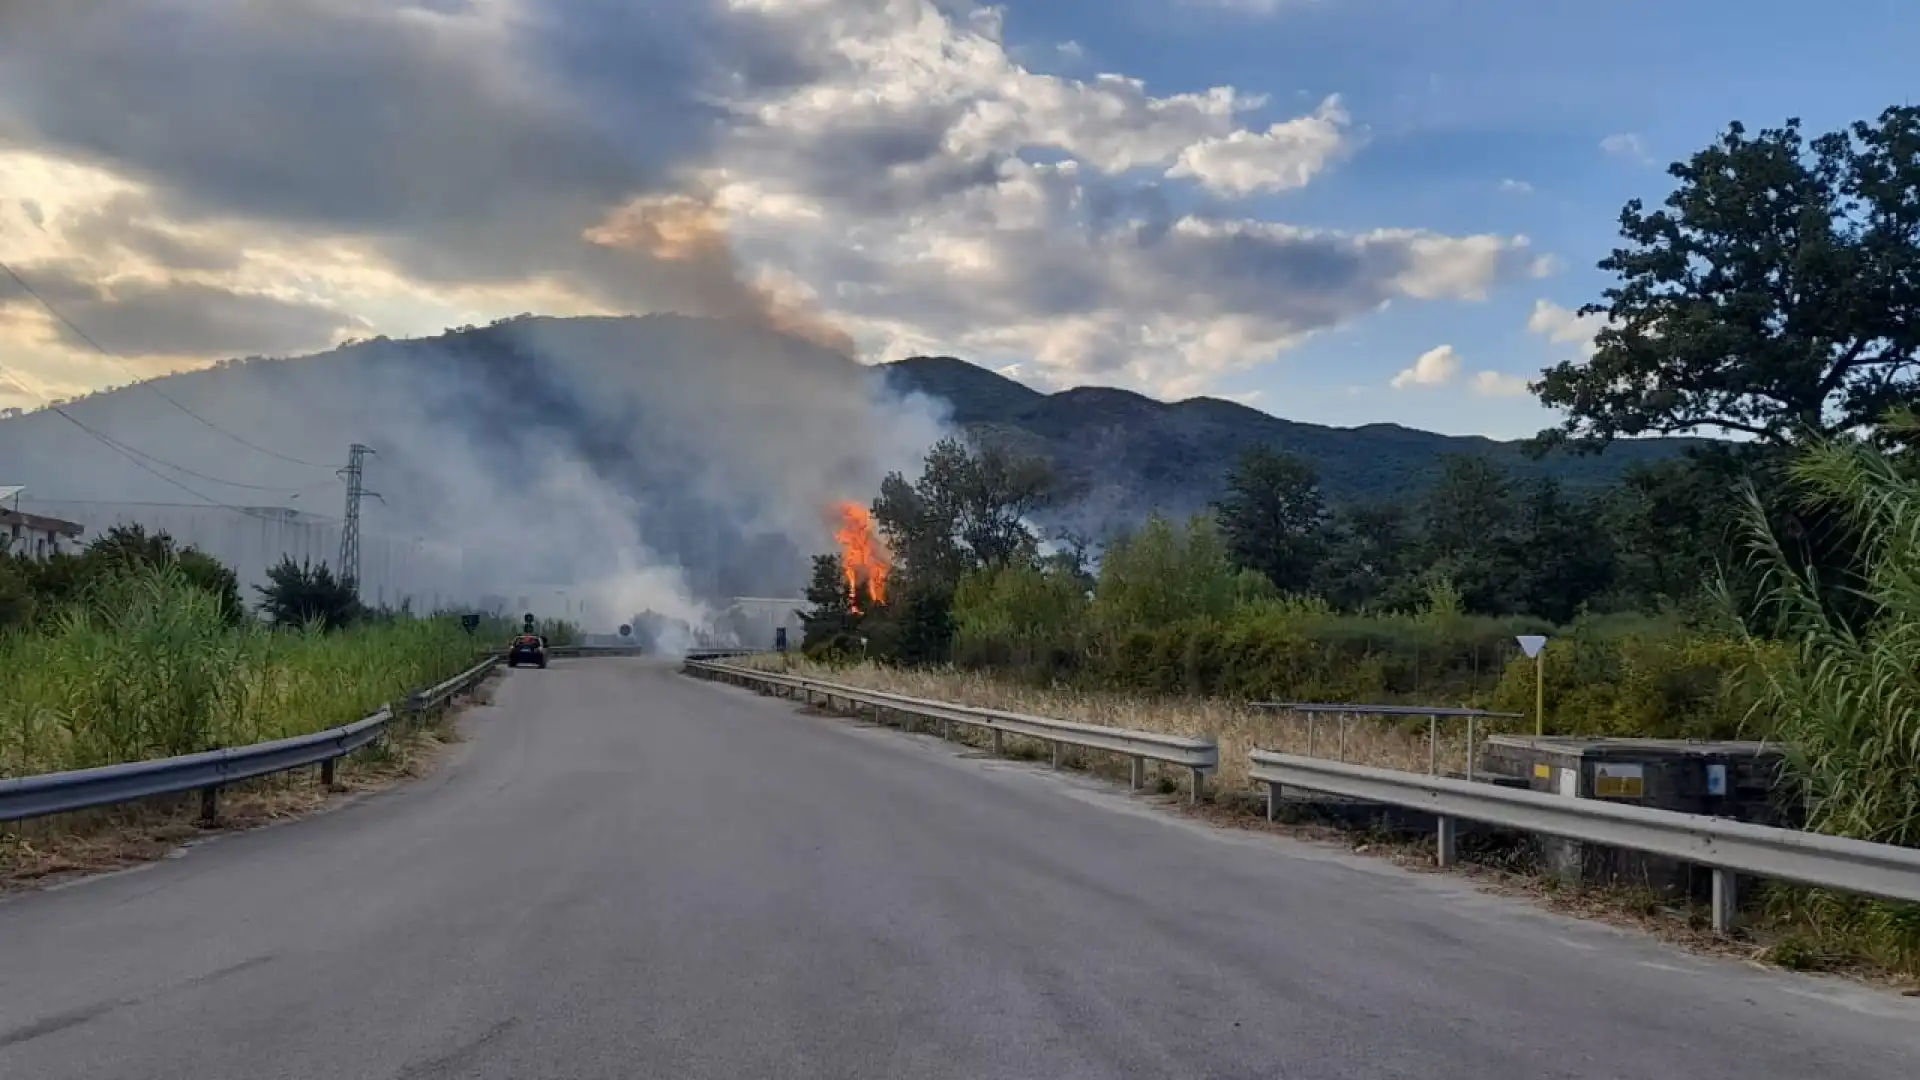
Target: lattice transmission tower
353,474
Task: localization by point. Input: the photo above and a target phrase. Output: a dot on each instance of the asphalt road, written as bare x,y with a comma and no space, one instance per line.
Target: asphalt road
628,874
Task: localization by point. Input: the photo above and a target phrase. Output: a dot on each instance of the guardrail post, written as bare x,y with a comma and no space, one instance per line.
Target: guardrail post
999,743
210,805
946,728
1726,897
1056,753
1446,835
1273,801
1199,787
1138,773
327,773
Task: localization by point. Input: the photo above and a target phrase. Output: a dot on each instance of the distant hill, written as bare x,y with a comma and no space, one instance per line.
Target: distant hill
592,448
1120,454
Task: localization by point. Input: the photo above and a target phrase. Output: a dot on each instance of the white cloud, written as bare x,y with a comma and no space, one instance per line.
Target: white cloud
1287,155
889,167
1565,326
1499,384
1435,367
1071,49
1626,145
1516,187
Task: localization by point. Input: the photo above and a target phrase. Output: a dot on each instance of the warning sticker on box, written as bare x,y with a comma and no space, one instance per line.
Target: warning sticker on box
1616,781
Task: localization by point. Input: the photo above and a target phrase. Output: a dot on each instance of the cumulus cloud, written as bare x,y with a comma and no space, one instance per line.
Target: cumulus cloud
1516,187
1287,155
884,168
1565,326
1441,366
1499,384
1435,367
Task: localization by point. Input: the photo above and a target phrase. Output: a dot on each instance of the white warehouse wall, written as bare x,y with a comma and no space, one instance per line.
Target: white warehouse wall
391,569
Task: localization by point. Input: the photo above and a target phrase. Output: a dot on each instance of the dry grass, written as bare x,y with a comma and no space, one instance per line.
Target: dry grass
45,851
1390,744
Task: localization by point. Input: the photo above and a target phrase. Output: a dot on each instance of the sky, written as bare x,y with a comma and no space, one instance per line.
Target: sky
1339,211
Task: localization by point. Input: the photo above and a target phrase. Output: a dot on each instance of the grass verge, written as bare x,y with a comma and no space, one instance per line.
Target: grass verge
49,850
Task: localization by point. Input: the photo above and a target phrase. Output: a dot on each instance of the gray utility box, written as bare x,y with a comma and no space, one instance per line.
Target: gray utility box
1735,780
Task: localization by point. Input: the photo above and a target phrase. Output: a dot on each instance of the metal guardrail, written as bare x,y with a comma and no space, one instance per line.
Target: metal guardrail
721,654
572,651
1724,846
1313,710
84,789
1199,756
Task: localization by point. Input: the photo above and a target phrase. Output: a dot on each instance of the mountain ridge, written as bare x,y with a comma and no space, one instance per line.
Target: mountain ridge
663,405
1134,454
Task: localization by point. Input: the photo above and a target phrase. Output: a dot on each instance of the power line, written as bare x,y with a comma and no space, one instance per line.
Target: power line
131,449
129,453
148,383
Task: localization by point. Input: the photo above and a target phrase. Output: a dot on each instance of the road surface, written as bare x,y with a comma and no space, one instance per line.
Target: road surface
625,873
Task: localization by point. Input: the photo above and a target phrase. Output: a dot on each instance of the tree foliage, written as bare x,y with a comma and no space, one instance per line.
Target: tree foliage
34,589
305,594
1776,294
1272,516
830,623
968,509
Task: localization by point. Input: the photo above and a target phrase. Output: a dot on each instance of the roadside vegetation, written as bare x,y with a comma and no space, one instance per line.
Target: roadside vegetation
1766,588
133,650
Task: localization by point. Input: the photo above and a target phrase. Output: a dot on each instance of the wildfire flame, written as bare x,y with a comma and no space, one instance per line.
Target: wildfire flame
861,551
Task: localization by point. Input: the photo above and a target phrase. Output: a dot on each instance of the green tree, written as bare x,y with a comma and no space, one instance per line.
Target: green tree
1371,560
306,593
1671,524
1162,575
131,547
1468,533
1566,558
1776,295
1273,517
831,623
1021,616
968,509
18,603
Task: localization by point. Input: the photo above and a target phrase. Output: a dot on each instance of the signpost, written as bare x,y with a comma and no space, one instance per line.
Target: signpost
1535,646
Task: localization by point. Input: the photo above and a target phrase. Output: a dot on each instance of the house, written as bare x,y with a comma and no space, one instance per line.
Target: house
37,536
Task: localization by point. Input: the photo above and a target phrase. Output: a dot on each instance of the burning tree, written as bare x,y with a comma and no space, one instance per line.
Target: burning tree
833,622
863,558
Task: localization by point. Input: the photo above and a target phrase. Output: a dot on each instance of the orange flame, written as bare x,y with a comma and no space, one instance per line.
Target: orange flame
861,551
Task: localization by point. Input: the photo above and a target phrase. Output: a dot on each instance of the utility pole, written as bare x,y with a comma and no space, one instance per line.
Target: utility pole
350,533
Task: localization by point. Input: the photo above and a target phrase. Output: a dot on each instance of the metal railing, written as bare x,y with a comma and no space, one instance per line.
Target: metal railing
1726,847
84,789
571,651
1198,756
1313,710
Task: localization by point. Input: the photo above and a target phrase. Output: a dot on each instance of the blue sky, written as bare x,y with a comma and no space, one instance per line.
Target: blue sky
1456,96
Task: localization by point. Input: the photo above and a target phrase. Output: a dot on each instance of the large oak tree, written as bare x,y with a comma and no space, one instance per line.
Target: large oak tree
1776,294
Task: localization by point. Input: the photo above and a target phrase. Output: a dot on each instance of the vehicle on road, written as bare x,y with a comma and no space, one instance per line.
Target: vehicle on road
527,649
